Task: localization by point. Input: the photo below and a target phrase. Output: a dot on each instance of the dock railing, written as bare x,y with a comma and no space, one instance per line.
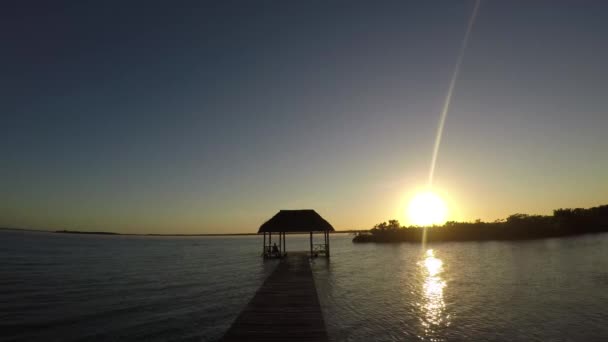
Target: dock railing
269,254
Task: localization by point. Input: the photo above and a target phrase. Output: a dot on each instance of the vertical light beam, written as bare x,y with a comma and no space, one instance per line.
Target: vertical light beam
446,104
448,98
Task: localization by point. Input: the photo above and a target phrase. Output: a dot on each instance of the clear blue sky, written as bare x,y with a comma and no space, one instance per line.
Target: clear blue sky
208,117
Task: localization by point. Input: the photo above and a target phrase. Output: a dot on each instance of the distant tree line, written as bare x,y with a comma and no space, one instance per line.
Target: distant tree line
84,232
563,222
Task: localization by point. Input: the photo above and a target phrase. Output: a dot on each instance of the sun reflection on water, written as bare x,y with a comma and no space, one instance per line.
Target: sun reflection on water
432,304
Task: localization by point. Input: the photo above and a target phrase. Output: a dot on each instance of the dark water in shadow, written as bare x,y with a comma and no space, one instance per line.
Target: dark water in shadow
75,287
58,287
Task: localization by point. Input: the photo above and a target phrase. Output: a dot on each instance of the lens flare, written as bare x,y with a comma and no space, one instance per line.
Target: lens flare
448,98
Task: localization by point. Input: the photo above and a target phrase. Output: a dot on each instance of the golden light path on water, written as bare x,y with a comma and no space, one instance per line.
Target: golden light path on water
432,304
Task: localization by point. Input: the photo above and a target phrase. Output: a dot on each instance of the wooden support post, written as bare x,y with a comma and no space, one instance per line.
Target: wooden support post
280,243
284,245
311,244
264,246
327,244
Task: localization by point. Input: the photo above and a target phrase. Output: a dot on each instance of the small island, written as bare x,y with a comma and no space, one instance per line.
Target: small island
563,222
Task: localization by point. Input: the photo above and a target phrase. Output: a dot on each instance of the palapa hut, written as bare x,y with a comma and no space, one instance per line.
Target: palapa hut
295,221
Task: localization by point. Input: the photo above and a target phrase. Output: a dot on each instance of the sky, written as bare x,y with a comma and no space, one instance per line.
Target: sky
210,116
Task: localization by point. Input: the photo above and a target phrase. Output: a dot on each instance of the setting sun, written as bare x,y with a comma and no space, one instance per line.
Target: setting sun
427,208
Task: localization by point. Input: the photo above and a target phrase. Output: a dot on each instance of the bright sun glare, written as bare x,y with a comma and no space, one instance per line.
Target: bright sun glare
427,208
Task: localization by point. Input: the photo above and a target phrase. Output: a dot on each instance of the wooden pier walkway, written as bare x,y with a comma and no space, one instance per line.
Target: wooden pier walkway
285,308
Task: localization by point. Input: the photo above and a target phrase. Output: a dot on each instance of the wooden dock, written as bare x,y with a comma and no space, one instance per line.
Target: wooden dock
285,308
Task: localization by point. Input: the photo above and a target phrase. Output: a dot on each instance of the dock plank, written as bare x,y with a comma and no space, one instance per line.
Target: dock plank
285,308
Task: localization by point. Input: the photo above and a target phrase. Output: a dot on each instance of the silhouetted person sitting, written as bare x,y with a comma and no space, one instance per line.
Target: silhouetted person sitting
275,250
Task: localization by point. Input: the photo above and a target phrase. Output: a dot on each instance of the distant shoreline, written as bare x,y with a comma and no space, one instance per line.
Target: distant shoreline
65,231
563,223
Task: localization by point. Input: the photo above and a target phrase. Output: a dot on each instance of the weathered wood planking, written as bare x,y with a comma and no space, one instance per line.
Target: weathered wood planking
285,308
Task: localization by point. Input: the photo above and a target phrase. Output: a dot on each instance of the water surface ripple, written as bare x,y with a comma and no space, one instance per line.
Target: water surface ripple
58,287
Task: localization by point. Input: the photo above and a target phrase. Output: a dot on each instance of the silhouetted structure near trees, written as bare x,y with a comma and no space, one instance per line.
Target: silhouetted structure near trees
563,222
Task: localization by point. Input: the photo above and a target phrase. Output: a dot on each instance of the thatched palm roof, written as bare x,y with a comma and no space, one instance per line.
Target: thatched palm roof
306,220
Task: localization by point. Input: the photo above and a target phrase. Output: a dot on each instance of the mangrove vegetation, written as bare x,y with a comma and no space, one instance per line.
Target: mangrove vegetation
563,222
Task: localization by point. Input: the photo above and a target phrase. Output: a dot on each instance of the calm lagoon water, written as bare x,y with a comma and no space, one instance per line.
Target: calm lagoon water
60,287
